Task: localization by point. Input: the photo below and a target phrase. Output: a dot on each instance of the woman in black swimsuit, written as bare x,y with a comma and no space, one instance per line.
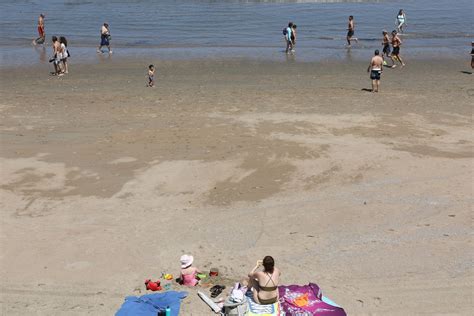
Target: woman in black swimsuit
264,284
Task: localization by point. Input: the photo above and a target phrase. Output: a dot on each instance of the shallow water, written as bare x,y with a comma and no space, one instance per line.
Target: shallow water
233,28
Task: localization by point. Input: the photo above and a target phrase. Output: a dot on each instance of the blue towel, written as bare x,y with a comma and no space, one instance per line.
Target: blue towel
150,304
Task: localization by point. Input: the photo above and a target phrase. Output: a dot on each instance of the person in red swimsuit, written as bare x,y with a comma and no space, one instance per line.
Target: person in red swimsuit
42,35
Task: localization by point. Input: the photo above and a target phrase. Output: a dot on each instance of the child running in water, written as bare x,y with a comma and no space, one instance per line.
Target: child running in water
151,76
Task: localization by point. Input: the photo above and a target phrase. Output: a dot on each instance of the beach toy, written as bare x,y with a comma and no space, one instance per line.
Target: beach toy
152,286
167,276
214,272
201,276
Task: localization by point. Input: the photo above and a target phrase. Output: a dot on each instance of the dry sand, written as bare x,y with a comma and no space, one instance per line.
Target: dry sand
105,182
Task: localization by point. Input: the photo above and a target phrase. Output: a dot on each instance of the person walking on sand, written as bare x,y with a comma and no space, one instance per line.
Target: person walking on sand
396,43
56,58
105,38
350,31
151,76
287,35
386,48
401,21
375,69
64,53
41,34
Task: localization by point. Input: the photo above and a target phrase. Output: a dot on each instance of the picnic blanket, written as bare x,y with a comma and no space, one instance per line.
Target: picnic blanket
307,300
262,310
150,304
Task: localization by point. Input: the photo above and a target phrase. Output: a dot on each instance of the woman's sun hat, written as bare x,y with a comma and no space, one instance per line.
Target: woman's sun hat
186,261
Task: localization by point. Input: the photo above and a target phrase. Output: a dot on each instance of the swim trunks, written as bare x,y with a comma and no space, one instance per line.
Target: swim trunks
350,33
386,49
375,74
104,40
396,51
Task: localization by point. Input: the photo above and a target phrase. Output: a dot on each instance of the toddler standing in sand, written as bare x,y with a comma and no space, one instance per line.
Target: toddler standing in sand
151,76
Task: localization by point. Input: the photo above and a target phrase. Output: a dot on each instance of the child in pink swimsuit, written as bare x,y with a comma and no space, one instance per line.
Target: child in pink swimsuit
188,272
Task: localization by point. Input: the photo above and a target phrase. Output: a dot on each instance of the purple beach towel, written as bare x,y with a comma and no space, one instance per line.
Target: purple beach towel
316,304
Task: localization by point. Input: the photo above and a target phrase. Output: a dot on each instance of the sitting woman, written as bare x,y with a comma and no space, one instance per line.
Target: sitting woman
264,284
188,272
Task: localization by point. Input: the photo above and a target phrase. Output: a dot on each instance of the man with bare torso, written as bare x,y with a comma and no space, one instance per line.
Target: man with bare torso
376,69
396,43
56,58
386,49
41,34
350,31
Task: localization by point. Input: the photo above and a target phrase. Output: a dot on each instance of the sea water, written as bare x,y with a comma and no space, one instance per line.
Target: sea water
174,29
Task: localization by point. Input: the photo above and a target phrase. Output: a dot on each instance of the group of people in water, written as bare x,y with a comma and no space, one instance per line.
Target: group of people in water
378,60
60,52
289,35
262,281
59,46
390,48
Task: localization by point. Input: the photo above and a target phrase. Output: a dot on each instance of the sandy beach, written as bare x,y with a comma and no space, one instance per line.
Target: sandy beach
105,183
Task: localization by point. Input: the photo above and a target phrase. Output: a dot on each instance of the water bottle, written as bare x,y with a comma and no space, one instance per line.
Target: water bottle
168,311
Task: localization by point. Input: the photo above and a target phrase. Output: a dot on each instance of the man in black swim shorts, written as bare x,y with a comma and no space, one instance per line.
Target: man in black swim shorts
375,69
386,48
396,43
350,31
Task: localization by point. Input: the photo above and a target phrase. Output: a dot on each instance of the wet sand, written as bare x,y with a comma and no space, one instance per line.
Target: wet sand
105,182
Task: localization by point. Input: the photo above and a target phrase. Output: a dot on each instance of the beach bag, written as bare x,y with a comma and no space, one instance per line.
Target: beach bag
235,309
285,31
